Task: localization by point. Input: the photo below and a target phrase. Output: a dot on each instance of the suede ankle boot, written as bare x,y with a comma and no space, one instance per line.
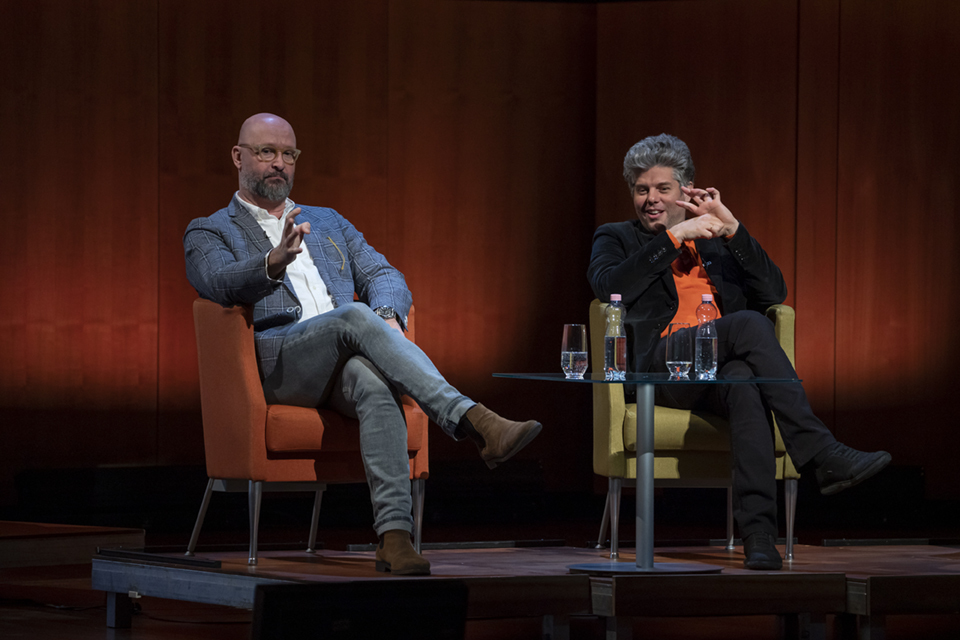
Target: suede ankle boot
396,554
497,438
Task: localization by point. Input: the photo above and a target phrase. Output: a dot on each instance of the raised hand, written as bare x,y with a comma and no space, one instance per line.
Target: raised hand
702,226
289,247
707,202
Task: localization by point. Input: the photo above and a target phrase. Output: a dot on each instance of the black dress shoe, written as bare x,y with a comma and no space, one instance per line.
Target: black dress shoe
761,553
843,467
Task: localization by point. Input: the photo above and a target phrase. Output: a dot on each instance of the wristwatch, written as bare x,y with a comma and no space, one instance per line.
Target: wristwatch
385,312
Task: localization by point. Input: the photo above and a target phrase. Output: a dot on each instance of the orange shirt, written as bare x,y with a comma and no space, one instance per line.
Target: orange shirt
692,282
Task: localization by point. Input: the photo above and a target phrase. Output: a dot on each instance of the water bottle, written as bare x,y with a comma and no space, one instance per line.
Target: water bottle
705,360
615,342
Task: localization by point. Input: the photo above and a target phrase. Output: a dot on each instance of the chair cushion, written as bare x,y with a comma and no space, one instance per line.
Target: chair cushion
679,430
292,429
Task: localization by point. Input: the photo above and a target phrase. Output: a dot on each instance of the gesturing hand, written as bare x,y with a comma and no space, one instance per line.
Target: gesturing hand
707,202
703,226
286,252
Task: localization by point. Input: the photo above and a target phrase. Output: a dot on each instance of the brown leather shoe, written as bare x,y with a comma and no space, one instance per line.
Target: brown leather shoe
397,555
499,439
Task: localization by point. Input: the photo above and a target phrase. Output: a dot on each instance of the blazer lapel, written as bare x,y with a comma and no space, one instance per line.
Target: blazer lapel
256,236
250,227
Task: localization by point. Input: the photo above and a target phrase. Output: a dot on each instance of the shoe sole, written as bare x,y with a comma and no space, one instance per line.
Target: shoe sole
866,474
533,433
763,566
384,567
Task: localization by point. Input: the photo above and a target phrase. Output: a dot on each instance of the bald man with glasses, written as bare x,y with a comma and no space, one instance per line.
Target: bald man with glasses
298,267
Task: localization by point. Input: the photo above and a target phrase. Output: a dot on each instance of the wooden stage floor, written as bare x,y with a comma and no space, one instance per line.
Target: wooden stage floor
863,591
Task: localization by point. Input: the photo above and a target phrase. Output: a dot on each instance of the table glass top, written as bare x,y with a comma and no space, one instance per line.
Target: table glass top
641,378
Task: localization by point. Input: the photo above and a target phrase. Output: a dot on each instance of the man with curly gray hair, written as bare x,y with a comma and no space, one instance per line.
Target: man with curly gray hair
686,243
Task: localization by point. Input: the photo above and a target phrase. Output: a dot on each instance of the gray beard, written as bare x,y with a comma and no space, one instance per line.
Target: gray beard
271,193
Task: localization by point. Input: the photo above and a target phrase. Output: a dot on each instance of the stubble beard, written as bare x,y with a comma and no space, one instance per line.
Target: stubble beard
270,192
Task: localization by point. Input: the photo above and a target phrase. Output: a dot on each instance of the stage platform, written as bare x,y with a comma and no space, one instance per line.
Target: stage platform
34,544
861,585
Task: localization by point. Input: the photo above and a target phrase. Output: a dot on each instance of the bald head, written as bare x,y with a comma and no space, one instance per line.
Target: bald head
258,128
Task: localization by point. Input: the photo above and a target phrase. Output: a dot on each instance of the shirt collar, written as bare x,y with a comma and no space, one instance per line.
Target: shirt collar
262,214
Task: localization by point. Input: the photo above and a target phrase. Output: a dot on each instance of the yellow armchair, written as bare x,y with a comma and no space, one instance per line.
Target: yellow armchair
691,448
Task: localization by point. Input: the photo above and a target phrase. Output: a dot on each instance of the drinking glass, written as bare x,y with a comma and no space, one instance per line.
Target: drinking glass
573,351
679,349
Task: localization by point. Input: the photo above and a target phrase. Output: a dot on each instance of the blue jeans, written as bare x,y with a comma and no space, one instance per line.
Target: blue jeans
352,361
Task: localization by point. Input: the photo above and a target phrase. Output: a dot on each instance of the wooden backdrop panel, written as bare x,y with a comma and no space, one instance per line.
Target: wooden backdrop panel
477,144
721,76
816,290
220,62
491,182
79,327
899,151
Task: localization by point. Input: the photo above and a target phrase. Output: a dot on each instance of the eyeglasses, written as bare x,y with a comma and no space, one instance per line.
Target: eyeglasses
266,153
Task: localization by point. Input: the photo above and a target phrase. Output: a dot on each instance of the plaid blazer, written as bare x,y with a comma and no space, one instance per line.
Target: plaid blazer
226,254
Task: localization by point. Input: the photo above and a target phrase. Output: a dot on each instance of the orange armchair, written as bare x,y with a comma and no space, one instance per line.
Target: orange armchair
252,446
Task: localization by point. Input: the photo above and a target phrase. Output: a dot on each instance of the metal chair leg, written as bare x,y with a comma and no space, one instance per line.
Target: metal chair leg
613,490
790,503
255,492
192,545
730,537
314,521
602,536
417,487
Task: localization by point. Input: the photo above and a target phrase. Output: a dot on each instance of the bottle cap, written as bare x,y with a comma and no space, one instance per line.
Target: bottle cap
706,297
614,297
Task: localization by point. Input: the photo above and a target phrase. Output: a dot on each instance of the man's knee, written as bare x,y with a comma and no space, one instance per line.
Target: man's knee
356,312
751,320
750,328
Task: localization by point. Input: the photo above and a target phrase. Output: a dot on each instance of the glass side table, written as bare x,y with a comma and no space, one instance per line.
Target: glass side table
644,383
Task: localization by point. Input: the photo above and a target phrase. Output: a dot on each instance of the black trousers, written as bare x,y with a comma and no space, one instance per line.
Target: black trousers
747,347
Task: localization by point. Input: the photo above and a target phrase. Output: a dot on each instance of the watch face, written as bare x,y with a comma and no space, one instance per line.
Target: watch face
386,312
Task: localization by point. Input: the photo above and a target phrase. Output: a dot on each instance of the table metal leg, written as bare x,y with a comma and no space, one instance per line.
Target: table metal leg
645,476
644,536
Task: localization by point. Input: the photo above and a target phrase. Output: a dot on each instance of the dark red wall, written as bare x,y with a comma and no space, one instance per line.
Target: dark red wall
477,144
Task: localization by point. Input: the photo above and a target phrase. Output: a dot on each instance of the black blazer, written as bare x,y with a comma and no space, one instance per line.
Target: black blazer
628,260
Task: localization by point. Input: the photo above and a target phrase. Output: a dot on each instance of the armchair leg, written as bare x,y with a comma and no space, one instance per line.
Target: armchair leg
204,504
790,503
254,494
417,490
730,537
314,522
602,536
613,492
